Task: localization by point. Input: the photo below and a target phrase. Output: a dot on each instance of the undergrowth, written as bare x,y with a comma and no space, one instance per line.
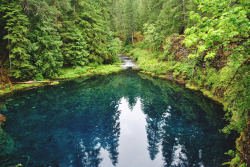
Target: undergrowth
226,82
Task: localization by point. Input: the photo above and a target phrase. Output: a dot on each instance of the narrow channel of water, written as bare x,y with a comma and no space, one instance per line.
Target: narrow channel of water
127,62
124,119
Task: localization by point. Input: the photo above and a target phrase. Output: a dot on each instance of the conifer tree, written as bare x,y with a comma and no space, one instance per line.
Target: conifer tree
74,46
17,26
47,49
171,17
130,21
94,29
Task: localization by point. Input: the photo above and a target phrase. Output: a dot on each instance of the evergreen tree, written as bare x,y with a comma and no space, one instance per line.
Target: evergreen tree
91,23
17,26
117,16
46,48
74,45
173,16
130,20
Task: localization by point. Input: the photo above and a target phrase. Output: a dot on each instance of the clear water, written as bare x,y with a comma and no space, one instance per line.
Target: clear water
125,120
127,62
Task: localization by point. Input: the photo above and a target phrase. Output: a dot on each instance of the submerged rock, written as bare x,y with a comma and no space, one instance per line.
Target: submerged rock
3,107
2,119
6,144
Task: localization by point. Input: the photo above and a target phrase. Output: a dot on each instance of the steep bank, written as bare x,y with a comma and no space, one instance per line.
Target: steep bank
222,79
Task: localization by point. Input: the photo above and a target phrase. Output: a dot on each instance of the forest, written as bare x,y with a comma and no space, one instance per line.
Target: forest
203,44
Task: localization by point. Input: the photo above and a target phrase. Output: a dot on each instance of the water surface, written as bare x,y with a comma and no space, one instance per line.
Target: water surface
127,62
124,119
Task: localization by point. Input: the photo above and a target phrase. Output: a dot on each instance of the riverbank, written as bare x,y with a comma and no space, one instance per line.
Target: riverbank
188,85
66,74
218,79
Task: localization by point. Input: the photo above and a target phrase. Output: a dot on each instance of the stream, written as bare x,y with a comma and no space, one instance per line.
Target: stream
127,119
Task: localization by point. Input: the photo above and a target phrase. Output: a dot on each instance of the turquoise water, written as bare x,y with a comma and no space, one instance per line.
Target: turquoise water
126,120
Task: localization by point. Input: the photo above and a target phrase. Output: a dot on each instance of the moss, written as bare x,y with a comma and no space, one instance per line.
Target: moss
193,87
243,145
19,87
54,83
68,73
23,86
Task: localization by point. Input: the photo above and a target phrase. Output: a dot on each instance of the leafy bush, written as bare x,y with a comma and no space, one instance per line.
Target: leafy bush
153,66
152,36
126,48
166,48
38,77
94,65
142,45
136,53
114,47
236,159
81,70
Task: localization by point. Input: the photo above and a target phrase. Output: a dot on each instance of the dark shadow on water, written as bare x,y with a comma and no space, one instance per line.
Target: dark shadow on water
114,120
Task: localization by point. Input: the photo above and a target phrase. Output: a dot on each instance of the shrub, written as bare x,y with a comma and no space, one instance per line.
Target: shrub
80,70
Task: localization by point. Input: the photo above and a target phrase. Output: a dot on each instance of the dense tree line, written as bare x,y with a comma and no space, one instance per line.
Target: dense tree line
171,16
202,43
38,38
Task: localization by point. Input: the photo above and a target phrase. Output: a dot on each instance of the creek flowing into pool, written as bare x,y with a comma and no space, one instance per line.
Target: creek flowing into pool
127,119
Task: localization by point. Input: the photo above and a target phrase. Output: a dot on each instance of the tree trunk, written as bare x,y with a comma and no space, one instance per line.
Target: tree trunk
184,15
74,12
132,37
9,51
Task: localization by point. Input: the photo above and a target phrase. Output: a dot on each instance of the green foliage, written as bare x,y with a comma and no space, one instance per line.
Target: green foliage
81,70
236,159
91,22
74,48
67,73
171,17
114,47
47,49
147,61
126,48
228,24
238,98
106,69
130,20
152,37
142,45
44,36
137,53
72,73
153,66
211,77
16,25
38,77
166,49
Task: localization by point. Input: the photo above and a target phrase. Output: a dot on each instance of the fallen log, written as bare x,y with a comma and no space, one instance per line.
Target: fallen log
32,82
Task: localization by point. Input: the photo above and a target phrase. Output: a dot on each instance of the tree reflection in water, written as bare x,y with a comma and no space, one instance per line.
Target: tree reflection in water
82,123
